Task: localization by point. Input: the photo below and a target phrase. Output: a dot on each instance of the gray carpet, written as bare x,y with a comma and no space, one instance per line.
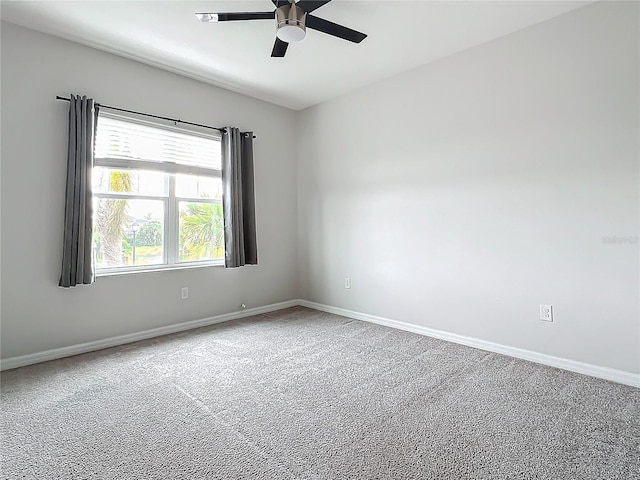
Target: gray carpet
300,394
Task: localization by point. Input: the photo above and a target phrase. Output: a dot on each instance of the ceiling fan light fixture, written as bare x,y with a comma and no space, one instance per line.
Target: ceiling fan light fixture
291,33
290,23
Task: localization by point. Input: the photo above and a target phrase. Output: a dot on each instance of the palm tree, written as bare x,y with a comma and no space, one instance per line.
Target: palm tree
112,216
201,231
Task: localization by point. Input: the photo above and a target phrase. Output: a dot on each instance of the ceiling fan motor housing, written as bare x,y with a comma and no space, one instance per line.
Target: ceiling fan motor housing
290,23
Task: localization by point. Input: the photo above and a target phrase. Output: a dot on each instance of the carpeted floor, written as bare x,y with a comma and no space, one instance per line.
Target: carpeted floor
300,394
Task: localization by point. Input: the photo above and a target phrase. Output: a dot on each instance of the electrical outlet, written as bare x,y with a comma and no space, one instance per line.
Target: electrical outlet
347,282
184,293
243,306
546,313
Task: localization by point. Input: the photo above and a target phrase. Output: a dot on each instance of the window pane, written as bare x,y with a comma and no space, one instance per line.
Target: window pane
192,186
201,231
128,232
139,182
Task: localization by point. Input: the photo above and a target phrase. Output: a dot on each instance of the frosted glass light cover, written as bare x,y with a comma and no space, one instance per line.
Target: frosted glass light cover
291,33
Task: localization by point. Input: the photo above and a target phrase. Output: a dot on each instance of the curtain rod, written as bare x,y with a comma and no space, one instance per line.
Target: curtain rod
220,129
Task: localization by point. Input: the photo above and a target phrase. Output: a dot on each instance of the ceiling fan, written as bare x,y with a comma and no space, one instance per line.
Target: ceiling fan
292,19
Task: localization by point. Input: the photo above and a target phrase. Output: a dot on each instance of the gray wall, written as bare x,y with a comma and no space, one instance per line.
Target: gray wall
461,195
36,314
458,196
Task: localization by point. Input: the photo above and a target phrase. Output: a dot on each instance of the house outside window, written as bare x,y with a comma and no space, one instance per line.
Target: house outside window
157,196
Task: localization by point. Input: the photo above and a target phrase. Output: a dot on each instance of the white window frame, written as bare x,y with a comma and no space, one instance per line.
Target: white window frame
171,226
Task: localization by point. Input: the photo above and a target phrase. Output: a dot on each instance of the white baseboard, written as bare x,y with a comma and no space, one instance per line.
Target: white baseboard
619,376
56,353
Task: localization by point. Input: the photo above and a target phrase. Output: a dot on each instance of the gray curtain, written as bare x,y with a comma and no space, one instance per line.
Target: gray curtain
238,201
77,250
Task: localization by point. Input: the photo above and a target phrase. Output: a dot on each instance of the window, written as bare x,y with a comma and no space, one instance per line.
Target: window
157,196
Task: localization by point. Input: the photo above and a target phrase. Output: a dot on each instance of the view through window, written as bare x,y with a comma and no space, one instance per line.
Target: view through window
157,196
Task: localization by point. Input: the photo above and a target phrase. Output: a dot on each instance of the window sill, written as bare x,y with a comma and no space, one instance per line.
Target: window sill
157,268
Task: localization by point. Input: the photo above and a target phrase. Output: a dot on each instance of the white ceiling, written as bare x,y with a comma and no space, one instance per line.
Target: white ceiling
236,55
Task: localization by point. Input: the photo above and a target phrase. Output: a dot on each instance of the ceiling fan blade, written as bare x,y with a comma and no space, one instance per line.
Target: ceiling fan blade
280,3
330,28
279,48
229,16
311,5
